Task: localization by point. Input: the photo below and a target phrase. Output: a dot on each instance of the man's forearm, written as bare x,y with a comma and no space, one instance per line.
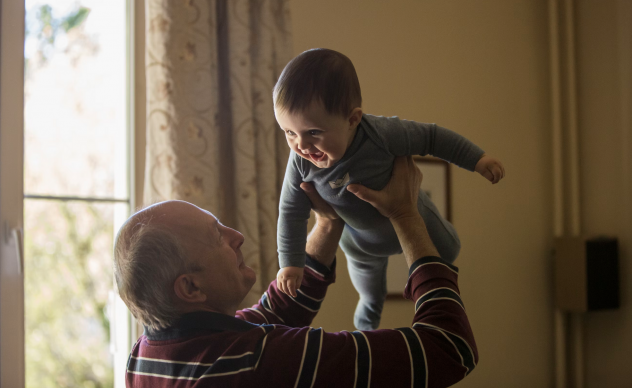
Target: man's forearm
322,241
413,237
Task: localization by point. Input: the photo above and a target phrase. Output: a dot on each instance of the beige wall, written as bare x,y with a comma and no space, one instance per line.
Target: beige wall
480,68
605,123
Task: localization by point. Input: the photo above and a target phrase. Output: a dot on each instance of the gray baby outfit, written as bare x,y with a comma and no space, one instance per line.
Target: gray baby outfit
368,238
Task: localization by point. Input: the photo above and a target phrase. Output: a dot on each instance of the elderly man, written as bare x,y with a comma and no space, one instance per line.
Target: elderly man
181,273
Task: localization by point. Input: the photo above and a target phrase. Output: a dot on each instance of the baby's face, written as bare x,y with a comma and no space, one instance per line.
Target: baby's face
318,136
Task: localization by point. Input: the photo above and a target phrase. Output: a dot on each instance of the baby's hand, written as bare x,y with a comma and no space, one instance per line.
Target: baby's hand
490,168
289,279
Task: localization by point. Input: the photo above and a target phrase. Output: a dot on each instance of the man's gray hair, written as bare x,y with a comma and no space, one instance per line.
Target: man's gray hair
148,257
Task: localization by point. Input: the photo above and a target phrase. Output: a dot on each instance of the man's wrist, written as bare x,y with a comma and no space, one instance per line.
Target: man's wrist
322,242
325,270
329,224
407,218
326,260
413,237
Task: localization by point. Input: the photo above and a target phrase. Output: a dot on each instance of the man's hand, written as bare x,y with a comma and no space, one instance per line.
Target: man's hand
399,197
320,207
398,202
490,168
289,279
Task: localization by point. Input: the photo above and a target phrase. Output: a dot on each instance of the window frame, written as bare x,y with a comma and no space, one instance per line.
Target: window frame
11,194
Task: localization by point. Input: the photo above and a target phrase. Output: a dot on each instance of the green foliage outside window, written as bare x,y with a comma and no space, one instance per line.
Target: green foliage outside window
67,279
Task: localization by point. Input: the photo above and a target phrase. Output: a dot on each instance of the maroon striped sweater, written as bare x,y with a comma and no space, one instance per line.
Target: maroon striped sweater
272,345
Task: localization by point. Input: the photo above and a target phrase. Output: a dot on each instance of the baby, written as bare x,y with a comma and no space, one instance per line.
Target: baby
318,104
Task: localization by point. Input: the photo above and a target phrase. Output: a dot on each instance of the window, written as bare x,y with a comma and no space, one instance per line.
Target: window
77,192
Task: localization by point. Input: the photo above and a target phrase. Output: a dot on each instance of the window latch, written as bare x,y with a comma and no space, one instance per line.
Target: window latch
15,234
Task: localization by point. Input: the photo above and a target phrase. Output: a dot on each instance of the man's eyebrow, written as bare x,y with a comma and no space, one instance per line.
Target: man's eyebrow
217,223
219,231
213,225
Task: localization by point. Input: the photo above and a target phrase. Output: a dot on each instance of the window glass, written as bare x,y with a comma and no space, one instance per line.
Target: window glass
67,285
75,131
75,88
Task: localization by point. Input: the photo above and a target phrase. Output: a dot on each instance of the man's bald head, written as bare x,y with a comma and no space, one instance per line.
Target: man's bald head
154,247
178,217
173,257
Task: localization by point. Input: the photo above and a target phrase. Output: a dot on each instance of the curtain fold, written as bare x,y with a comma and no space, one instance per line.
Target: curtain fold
212,138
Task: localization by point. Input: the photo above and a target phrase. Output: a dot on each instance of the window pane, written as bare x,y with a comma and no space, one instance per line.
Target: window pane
75,98
68,282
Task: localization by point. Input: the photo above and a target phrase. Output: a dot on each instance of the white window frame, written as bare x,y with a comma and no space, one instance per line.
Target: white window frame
123,325
12,336
136,142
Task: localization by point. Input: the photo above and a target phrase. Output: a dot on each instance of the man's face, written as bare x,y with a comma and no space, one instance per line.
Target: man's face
316,135
225,275
215,250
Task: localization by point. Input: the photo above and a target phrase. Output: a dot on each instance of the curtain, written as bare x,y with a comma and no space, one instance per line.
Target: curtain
212,138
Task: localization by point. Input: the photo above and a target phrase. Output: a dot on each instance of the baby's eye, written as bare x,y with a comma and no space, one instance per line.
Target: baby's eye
314,132
289,133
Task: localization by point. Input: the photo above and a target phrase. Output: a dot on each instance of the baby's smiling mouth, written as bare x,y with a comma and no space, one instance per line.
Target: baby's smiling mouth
317,156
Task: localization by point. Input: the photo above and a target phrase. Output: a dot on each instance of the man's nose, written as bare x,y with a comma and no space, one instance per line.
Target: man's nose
236,238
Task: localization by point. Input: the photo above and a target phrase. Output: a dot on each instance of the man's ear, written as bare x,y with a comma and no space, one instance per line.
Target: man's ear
355,117
187,289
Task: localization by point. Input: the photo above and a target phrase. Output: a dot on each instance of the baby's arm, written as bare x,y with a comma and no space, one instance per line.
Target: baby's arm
321,244
404,138
294,209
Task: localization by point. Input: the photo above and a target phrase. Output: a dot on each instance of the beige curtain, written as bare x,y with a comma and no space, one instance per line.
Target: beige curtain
211,134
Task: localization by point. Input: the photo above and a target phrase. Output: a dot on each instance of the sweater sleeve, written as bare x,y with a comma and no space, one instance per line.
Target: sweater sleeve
436,350
404,137
294,209
275,307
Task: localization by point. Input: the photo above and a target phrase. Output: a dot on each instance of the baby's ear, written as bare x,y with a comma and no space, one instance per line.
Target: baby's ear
355,117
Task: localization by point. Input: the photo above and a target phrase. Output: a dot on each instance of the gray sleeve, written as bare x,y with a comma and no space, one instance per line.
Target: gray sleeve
294,209
403,138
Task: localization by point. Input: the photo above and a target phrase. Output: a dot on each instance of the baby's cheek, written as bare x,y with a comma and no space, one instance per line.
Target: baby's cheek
339,153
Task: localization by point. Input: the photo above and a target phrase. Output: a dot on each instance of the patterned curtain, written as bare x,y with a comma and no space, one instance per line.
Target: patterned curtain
212,139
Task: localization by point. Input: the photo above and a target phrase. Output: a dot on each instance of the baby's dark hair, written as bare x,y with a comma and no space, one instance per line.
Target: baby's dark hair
318,74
